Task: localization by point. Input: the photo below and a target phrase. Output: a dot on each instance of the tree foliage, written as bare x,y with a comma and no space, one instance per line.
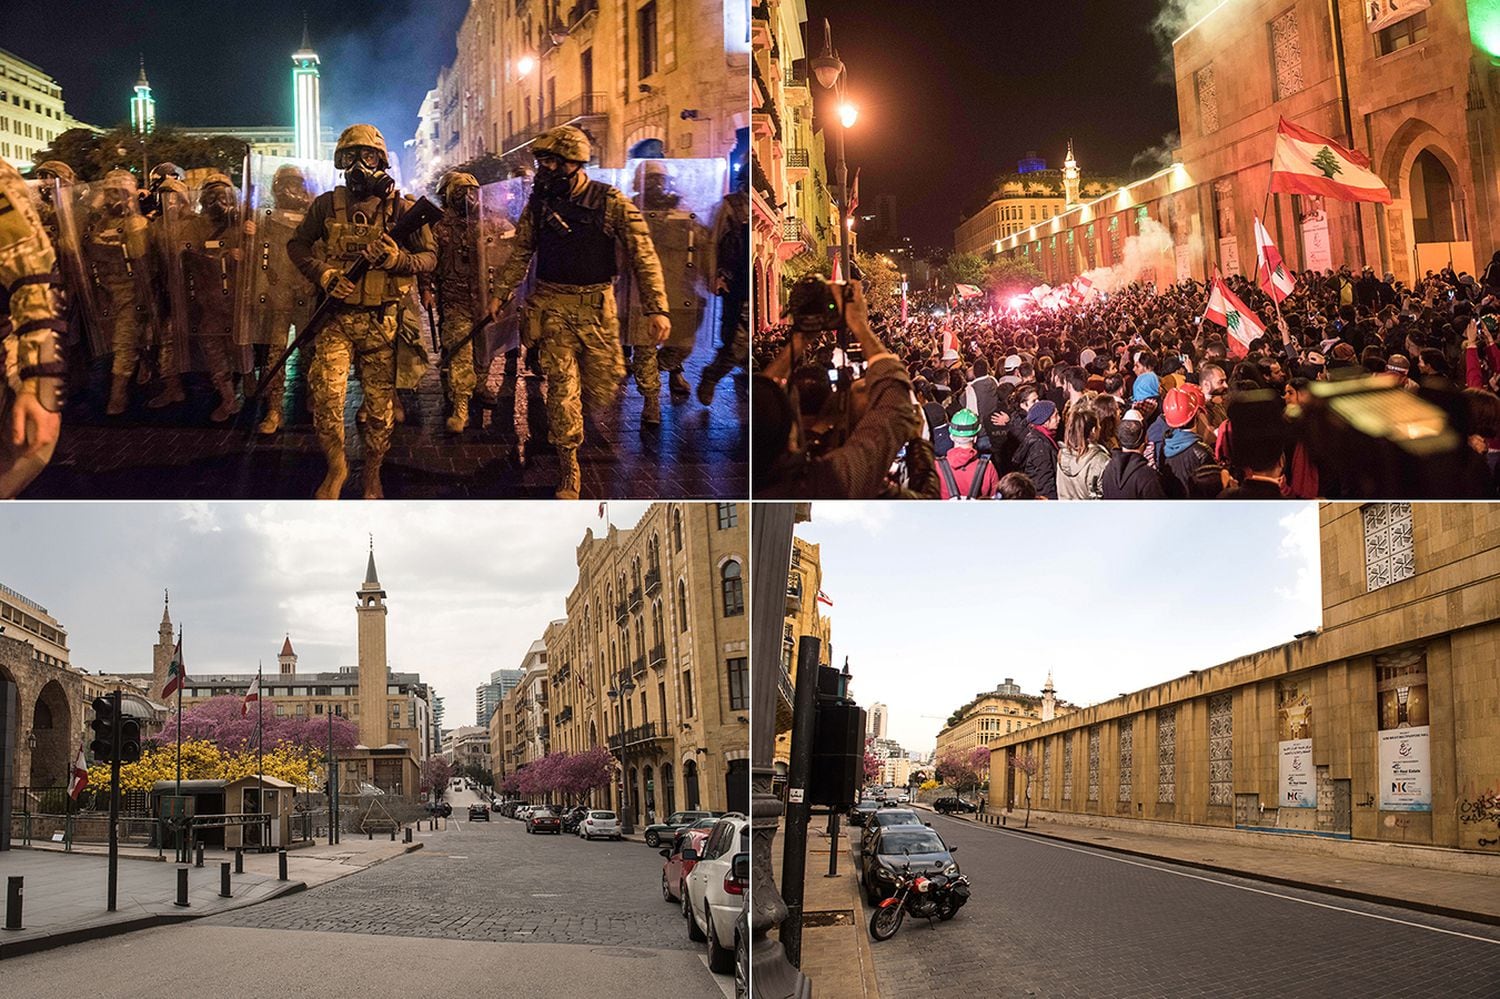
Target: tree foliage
220,721
963,769
203,760
92,156
871,763
1006,277
882,281
436,773
570,776
964,268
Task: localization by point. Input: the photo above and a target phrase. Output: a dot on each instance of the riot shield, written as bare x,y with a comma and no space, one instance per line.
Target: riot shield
106,252
273,298
202,245
678,198
500,207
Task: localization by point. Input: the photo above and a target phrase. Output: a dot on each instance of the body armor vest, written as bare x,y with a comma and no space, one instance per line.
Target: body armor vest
345,236
584,251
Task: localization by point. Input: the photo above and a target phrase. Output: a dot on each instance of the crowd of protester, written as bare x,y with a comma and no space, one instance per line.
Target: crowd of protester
1133,395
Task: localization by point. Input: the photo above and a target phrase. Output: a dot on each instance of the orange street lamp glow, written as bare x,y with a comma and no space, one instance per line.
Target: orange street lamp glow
525,65
848,114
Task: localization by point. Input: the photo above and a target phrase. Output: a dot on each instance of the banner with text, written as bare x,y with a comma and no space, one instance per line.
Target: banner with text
1405,769
1298,789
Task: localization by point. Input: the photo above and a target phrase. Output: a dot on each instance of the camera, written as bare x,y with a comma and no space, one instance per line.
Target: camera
812,307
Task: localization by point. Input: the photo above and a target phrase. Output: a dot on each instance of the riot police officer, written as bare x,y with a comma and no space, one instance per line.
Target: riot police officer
573,225
461,296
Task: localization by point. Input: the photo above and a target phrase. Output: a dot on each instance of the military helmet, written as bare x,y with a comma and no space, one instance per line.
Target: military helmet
123,179
58,169
456,178
361,135
565,142
215,177
167,169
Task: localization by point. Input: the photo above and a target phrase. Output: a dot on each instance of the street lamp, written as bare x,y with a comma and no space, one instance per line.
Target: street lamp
618,693
831,75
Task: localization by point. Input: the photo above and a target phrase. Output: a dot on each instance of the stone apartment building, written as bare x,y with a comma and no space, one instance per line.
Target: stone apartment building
803,617
659,616
992,715
1379,725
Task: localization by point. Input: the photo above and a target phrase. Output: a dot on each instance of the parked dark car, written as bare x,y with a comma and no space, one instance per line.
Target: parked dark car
439,808
884,818
496,805
478,813
861,812
896,846
659,831
544,819
953,804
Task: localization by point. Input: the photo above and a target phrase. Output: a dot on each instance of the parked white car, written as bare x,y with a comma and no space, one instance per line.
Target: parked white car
522,811
715,891
596,825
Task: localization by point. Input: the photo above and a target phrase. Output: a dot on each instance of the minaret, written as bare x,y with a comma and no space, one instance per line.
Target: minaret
1049,700
374,727
161,652
307,109
143,105
1070,177
287,658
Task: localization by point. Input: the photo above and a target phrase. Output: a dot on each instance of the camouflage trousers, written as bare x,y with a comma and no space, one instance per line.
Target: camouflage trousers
734,340
365,337
577,331
126,333
647,361
461,376
215,353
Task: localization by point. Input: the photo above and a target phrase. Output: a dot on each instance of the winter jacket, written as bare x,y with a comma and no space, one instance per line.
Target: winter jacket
1078,476
1037,457
1183,452
964,462
1129,476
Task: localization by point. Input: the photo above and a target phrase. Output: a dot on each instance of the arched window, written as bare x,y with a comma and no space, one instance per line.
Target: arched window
658,636
682,605
677,529
733,588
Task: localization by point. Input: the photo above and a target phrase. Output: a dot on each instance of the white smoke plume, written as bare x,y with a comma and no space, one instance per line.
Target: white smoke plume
1152,249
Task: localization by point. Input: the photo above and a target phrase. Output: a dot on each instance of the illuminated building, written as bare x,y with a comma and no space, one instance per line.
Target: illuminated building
307,93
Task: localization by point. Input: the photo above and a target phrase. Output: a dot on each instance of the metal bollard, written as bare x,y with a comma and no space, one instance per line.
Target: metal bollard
239,861
224,891
370,835
408,834
281,865
198,862
13,886
393,834
182,886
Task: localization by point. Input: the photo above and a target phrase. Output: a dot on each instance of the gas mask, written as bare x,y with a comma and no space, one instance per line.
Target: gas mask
553,181
217,203
463,201
367,182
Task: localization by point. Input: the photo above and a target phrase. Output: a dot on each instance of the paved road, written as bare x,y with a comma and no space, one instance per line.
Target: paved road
176,453
1054,919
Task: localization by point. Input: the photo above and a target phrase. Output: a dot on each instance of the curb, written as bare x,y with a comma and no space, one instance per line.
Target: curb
101,931
1433,909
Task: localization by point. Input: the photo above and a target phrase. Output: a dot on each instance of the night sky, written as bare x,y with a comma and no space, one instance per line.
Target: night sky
950,95
230,63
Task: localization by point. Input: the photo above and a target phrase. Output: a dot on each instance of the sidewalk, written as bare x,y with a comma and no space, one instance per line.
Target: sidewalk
64,900
835,944
1278,860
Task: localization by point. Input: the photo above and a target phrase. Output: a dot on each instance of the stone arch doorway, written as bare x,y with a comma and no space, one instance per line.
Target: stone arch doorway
690,785
648,149
52,726
668,790
1436,201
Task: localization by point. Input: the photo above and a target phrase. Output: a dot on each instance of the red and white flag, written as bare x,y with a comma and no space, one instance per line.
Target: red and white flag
175,671
1308,163
950,345
967,291
1270,269
1229,312
854,193
80,776
602,508
251,695
824,598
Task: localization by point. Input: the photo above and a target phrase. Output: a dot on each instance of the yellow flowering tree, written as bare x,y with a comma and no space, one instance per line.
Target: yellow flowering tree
202,760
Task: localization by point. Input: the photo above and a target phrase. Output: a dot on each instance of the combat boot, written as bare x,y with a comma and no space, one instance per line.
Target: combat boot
373,488
706,389
333,482
679,384
569,479
271,422
459,420
398,411
171,392
119,387
229,401
651,411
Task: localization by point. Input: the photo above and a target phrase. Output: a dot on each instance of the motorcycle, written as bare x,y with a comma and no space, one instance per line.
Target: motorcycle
570,821
937,896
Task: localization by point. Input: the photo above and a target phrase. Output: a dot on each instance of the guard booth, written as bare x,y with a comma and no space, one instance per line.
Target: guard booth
252,796
199,797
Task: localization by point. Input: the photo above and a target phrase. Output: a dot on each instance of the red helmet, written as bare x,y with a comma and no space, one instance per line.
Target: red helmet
1181,405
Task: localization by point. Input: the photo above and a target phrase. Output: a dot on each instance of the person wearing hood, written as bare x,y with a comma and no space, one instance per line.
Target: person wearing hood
1083,458
963,472
1128,475
1183,449
1037,453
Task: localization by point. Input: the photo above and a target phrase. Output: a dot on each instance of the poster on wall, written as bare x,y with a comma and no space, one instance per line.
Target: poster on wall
1229,255
1381,14
1297,787
1405,769
1184,262
1313,217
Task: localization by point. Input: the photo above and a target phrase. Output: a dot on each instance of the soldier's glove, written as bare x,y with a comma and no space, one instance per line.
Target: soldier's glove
336,285
661,328
383,254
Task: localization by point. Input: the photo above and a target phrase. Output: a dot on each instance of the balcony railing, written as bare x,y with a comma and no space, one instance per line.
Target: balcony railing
635,598
798,158
593,105
792,230
795,77
649,732
658,656
784,686
621,612
638,664
565,715
793,594
580,10
653,579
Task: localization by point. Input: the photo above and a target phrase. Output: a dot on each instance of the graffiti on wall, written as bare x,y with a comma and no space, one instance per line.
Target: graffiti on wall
1482,808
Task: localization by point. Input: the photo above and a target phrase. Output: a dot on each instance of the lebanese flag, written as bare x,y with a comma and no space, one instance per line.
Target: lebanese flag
175,671
903,305
1084,284
253,694
1308,163
836,277
1269,268
1230,313
823,598
80,777
950,345
854,193
967,291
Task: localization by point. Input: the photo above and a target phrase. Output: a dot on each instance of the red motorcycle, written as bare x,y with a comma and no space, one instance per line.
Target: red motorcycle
937,896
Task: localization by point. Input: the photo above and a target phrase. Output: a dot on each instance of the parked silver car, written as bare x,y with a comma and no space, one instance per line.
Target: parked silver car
599,825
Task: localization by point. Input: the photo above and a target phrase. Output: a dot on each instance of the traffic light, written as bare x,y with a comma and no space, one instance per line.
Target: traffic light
103,747
130,740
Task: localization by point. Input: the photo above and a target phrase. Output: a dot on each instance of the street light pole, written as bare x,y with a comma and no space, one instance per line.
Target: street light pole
831,75
618,693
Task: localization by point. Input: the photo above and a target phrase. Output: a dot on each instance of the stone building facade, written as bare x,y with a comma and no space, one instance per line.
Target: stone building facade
803,618
41,720
1419,97
659,615
994,714
1378,726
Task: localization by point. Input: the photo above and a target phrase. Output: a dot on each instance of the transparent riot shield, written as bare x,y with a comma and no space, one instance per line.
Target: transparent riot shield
106,250
203,244
678,198
274,300
501,205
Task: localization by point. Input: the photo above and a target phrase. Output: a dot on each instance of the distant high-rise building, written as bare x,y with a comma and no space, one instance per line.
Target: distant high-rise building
877,721
487,696
143,105
1031,163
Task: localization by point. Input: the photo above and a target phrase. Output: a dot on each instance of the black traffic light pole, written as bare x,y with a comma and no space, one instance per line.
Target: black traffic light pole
114,797
799,775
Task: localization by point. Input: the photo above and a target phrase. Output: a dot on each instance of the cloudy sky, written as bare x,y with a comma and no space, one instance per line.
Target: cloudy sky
936,602
470,585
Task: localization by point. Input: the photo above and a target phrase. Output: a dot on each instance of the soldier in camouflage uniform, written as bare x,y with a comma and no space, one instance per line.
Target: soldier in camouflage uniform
52,170
669,227
573,226
207,245
286,294
31,327
342,226
732,285
114,247
462,297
